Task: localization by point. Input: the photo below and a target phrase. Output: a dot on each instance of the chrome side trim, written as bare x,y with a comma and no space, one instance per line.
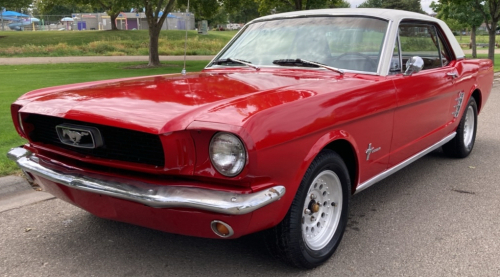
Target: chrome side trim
406,162
150,194
383,55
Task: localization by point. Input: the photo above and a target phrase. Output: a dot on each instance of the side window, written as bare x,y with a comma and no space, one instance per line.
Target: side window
420,39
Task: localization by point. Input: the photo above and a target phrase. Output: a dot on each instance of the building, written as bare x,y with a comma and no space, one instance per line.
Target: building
131,21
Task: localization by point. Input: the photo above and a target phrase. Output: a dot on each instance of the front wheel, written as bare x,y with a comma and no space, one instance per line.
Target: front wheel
315,223
461,145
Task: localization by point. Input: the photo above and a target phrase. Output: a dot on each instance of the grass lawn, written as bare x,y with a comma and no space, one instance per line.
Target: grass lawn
109,43
485,56
19,79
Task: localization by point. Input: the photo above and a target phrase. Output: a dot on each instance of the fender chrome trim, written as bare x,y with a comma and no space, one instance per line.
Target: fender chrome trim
152,195
401,165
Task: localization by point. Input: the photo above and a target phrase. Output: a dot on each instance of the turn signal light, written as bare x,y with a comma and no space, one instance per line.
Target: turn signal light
221,229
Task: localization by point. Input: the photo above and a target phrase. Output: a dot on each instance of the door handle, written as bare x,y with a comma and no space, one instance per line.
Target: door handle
453,75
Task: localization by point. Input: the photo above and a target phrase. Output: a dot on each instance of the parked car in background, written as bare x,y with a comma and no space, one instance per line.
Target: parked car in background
298,112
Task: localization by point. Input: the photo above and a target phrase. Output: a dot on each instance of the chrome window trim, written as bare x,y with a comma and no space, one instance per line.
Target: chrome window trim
383,50
438,40
403,164
400,52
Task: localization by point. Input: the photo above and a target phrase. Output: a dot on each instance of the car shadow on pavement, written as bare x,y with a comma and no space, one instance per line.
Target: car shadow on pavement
98,245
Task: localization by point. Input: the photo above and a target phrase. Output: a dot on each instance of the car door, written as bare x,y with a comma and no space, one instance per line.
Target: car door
423,98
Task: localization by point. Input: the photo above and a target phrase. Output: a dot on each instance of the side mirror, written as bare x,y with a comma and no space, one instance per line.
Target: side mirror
414,65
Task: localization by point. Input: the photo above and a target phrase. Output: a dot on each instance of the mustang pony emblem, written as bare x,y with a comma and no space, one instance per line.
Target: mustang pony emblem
74,136
79,136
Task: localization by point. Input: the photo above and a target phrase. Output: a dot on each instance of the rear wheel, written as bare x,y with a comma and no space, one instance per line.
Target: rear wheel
315,223
461,145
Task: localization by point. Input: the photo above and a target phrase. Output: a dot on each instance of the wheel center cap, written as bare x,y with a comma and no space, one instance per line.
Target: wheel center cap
314,207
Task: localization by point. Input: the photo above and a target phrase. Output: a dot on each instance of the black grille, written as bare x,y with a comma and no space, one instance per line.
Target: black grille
119,144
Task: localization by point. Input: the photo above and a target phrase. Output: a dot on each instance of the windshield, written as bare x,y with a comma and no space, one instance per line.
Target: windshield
351,43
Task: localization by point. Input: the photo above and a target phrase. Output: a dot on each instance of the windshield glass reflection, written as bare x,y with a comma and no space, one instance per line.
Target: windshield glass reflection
352,43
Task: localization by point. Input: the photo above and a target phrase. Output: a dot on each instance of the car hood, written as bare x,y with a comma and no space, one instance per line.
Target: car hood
165,103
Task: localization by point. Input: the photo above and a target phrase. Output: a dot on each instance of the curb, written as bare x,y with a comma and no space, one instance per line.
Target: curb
16,192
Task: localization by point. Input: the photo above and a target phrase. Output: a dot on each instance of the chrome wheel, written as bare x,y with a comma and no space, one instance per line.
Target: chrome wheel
322,210
469,127
315,223
461,145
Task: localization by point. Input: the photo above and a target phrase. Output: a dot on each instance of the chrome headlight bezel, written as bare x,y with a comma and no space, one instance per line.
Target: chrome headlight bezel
20,121
224,146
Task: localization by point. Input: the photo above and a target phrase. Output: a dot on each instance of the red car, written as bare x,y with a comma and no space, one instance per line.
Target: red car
297,113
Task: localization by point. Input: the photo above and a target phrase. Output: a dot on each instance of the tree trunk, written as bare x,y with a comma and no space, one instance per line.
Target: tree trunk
491,43
113,21
298,5
155,23
473,41
154,35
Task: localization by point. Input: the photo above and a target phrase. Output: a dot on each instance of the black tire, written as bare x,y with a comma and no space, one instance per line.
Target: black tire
286,240
458,147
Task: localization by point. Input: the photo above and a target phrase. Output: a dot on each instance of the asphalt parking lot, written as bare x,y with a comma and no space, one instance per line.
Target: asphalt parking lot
436,217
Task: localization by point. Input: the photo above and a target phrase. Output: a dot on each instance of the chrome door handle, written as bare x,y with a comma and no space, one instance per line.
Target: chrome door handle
453,75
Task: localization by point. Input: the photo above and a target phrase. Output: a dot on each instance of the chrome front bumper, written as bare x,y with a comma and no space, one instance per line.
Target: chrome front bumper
150,194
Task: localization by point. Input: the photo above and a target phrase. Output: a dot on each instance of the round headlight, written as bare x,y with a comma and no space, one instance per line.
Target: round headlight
227,154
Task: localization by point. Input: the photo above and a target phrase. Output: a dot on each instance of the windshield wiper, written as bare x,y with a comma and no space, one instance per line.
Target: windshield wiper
302,62
228,60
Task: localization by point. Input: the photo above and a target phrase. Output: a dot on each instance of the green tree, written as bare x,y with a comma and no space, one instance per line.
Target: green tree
268,6
406,5
17,5
156,13
204,9
241,11
64,9
490,9
342,4
465,13
111,7
371,4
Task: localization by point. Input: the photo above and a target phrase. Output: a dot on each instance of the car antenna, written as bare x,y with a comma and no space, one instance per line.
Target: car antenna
185,41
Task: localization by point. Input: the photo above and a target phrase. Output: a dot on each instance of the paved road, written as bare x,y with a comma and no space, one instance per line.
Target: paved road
480,51
96,59
437,217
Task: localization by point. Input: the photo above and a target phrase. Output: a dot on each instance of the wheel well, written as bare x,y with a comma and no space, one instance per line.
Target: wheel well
348,155
477,96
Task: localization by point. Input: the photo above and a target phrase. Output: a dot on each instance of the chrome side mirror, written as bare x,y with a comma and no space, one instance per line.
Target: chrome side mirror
414,65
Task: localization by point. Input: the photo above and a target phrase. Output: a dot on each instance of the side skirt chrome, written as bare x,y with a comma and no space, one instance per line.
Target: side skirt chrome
406,162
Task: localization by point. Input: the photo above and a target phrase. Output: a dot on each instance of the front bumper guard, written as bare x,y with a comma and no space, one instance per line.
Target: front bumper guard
150,194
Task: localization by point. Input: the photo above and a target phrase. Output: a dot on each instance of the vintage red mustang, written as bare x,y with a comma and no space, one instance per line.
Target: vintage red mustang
297,113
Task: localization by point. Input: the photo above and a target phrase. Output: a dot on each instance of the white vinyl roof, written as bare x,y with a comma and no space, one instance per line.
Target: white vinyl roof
393,16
